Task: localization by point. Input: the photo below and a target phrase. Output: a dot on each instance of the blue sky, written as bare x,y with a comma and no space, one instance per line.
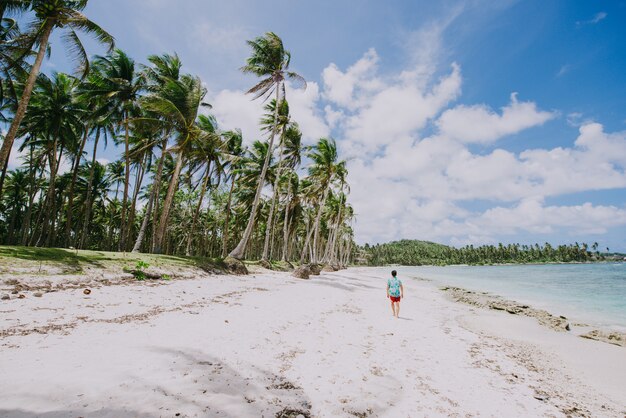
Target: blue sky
464,121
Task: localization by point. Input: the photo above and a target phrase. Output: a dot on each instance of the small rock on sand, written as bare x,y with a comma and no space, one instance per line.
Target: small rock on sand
5,297
37,294
87,291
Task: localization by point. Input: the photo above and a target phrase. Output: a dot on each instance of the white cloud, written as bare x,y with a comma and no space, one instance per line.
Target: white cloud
598,17
532,215
304,110
399,110
373,112
350,89
234,109
479,124
564,69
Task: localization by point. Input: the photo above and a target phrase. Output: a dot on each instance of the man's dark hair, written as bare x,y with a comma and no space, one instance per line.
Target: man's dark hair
394,273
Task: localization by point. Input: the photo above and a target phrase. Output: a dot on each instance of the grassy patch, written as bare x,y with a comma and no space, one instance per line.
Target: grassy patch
74,261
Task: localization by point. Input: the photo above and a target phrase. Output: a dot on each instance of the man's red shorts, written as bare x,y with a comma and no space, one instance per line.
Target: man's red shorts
395,298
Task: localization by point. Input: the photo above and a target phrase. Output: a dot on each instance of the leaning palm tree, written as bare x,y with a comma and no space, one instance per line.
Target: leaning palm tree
64,15
178,102
270,61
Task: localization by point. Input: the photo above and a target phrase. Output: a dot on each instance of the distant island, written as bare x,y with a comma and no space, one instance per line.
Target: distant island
417,253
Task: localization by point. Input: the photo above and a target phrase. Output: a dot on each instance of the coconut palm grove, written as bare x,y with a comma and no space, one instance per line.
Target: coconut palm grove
181,185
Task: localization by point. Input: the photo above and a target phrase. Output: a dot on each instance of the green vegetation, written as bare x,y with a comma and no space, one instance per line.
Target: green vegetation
417,253
181,185
138,272
29,259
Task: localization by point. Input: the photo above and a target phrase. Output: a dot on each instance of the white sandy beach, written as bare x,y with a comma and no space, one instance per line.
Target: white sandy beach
269,345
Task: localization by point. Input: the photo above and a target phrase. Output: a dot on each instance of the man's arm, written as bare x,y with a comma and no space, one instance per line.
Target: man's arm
387,289
402,291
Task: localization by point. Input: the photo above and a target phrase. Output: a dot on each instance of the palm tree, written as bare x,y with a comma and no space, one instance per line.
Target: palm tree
178,102
15,200
92,187
207,149
270,61
269,123
64,15
324,171
293,158
116,80
54,120
233,141
165,68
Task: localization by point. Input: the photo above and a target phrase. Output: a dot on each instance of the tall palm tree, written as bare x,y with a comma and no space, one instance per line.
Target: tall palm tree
15,200
178,102
115,78
50,15
55,118
207,149
293,158
324,171
233,141
164,68
269,123
270,61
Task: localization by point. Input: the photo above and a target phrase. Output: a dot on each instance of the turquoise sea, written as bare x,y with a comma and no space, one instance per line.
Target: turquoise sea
591,293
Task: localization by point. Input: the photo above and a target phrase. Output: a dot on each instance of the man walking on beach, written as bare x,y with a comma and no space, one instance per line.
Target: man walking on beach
395,292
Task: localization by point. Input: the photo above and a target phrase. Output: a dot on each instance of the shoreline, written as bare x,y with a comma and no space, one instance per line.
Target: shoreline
273,345
487,300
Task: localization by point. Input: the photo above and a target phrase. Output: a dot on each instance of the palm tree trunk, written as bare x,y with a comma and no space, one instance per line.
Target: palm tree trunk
270,217
31,199
207,176
316,228
156,184
169,198
122,241
23,103
88,202
239,250
227,219
157,189
138,180
286,223
70,199
309,233
144,224
49,195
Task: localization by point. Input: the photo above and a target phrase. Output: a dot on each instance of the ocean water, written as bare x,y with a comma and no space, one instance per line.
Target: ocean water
589,293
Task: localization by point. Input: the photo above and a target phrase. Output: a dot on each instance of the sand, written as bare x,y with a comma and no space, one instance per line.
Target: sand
269,345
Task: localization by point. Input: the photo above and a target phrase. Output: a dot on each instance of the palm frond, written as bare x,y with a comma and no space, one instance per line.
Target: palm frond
77,52
79,21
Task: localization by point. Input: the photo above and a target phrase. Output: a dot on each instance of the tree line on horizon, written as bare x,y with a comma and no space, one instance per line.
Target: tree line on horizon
181,185
417,253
